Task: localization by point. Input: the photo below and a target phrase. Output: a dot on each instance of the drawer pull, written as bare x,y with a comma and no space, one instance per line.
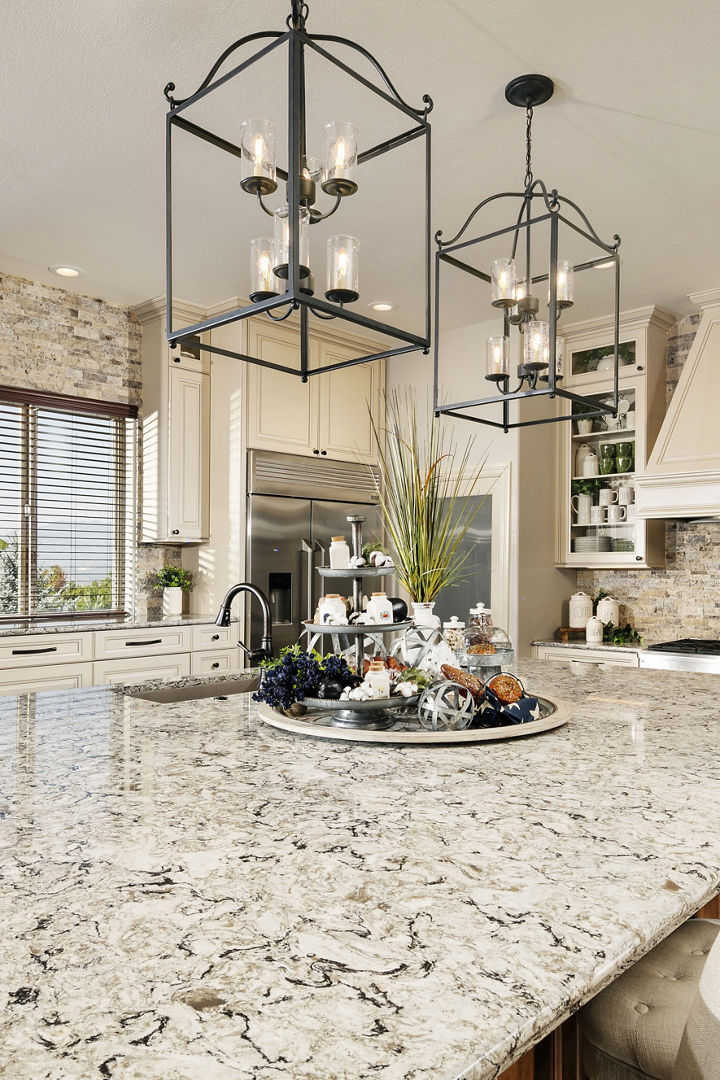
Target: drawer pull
215,637
32,652
215,665
150,641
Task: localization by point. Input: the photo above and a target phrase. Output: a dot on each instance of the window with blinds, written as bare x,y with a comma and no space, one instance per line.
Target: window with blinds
67,502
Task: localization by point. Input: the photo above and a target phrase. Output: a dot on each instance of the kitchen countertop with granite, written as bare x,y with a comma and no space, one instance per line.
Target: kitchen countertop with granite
188,894
87,625
588,645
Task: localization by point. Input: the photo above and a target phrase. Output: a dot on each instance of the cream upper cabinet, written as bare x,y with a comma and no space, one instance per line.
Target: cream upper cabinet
596,523
175,430
188,460
346,398
326,417
282,410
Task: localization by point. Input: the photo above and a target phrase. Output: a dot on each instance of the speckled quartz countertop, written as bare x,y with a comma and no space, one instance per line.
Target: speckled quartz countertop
189,895
87,625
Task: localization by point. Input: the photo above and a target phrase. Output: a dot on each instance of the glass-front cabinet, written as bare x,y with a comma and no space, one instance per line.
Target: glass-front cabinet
600,457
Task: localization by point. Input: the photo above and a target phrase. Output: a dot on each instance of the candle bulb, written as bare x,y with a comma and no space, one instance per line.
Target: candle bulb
264,284
565,285
257,143
497,358
340,158
502,273
281,245
536,345
342,269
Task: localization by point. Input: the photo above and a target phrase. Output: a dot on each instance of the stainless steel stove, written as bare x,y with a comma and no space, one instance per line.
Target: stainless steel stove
687,654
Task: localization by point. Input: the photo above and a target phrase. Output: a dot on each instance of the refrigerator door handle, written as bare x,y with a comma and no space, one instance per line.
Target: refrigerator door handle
307,549
323,551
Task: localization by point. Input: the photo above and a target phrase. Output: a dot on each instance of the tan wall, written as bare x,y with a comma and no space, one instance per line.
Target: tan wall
61,342
683,598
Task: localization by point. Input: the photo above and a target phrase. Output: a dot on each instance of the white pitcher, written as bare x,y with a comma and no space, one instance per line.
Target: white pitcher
582,505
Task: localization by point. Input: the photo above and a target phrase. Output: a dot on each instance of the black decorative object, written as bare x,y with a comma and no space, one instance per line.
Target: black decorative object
400,609
539,371
283,281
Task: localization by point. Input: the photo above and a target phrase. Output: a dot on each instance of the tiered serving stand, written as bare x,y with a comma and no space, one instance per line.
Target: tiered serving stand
372,715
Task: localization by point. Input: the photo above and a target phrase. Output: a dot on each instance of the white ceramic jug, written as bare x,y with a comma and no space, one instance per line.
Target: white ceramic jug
581,610
608,611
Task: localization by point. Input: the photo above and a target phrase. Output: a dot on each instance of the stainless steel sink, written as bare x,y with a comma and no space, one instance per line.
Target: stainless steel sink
199,690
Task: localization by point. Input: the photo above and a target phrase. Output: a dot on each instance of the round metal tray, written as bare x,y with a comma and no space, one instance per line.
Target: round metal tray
362,571
407,732
372,715
354,628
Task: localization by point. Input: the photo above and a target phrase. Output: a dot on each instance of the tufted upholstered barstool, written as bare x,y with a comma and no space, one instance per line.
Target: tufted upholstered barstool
660,1020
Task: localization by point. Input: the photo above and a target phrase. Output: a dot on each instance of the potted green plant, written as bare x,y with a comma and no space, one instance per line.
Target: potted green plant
173,581
424,487
580,409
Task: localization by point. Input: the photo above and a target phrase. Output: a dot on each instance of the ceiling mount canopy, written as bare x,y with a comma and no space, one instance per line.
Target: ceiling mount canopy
505,258
300,192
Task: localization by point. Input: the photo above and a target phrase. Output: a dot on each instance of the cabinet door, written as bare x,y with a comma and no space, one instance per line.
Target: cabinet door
59,677
345,400
141,669
617,658
282,410
188,464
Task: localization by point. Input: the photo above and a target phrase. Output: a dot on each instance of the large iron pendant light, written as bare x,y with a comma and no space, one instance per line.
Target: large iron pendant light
513,287
283,280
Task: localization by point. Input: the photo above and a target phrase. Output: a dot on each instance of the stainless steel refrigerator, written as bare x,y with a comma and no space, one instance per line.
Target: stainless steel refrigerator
295,504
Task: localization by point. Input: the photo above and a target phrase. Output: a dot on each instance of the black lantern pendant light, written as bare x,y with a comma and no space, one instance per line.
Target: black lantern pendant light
282,277
514,287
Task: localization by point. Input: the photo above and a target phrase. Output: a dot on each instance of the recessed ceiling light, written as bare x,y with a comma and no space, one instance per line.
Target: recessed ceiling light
382,305
66,271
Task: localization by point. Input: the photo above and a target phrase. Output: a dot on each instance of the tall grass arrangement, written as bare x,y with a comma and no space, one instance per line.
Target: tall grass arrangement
424,489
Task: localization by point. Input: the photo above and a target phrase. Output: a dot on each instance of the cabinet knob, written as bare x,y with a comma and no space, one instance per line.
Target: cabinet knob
638,558
324,453
216,665
215,637
176,532
176,359
640,367
316,451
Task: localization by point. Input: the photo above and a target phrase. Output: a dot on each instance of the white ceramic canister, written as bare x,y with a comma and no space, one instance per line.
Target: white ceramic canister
332,606
580,610
339,553
580,454
608,611
378,678
379,609
590,465
594,630
454,633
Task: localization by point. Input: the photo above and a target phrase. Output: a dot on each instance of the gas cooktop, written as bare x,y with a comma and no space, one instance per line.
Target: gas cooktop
700,646
686,654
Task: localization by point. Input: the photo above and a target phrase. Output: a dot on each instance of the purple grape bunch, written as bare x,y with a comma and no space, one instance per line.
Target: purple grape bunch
296,674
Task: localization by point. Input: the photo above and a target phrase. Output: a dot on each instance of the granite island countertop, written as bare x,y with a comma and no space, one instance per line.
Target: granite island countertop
187,893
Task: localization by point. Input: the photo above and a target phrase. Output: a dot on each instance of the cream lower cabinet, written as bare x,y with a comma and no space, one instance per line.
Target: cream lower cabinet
566,654
52,677
330,415
35,662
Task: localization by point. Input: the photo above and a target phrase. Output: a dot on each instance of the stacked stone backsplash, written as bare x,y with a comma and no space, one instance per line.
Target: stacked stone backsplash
683,598
60,342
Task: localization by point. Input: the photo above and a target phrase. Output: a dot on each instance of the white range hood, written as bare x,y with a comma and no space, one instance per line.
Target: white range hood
682,475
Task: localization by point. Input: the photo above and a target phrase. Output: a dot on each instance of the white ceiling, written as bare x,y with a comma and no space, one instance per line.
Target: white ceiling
632,135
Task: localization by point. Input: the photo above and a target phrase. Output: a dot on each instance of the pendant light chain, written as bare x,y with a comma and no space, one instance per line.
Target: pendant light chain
528,146
298,15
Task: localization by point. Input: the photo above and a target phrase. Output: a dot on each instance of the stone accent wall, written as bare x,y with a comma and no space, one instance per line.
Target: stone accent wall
683,598
65,343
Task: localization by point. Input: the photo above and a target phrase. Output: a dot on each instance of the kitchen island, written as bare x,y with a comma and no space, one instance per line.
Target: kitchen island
188,893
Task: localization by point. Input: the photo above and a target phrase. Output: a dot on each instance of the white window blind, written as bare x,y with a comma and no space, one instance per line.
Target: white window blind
66,507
